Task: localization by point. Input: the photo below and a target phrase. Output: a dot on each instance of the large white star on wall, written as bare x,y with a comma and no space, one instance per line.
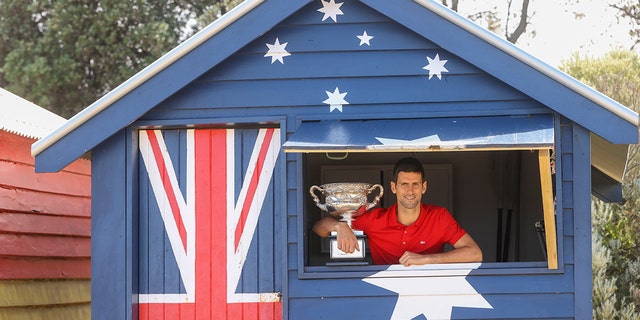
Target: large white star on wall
277,51
331,9
436,67
365,38
432,296
336,100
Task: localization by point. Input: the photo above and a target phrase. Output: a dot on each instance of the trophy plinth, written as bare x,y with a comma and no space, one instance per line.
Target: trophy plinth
346,201
339,257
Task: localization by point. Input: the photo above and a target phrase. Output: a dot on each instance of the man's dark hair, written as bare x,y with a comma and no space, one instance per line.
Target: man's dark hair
408,164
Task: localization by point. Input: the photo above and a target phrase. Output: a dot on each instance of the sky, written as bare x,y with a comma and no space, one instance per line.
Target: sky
558,33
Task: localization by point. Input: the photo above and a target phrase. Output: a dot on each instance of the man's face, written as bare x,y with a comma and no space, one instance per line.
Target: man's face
409,189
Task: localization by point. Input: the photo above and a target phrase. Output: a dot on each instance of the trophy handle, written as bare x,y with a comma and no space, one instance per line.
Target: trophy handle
322,206
377,198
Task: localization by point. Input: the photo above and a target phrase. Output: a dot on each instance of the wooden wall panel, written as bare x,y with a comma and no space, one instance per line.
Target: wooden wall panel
558,306
45,299
23,176
25,293
44,268
17,149
67,312
21,200
44,246
111,235
582,222
45,236
41,224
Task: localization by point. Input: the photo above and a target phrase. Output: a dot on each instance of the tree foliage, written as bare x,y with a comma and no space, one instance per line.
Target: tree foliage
616,227
216,10
630,9
65,54
498,24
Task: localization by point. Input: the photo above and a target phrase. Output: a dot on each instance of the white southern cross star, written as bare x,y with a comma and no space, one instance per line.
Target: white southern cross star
277,51
335,100
331,9
436,67
364,38
432,141
432,296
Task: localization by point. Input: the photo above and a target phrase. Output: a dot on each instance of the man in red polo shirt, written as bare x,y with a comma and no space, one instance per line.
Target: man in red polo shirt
409,232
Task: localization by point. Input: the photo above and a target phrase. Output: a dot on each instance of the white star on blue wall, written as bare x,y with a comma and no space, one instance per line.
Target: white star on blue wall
365,38
277,51
430,295
436,67
331,9
336,100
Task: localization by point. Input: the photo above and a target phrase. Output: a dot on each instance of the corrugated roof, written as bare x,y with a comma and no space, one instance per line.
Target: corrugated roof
25,118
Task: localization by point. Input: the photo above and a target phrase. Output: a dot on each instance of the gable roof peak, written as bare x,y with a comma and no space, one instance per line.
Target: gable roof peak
551,72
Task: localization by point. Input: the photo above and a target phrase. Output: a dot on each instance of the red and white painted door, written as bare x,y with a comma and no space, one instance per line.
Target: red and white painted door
209,210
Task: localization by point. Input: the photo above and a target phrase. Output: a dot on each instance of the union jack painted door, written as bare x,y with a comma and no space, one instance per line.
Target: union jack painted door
209,211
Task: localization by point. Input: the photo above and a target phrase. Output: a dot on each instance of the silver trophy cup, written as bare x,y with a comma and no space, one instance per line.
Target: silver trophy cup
346,200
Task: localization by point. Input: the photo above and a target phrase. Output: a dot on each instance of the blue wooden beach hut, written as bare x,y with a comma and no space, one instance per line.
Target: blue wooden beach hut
202,164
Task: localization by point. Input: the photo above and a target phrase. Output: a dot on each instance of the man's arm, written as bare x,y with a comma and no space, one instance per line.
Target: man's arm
347,241
465,250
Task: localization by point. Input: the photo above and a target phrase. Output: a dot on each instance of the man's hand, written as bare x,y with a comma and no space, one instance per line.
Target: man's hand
465,250
409,258
347,241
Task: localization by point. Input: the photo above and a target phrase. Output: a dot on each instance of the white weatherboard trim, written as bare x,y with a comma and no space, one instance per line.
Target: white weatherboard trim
553,73
144,75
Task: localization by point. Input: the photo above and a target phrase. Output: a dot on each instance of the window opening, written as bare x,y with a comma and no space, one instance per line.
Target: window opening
466,184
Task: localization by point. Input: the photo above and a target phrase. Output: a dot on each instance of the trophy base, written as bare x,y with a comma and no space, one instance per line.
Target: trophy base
341,258
346,263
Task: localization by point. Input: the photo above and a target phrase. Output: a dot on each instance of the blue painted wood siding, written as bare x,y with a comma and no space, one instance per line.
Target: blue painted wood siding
386,76
512,293
383,80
